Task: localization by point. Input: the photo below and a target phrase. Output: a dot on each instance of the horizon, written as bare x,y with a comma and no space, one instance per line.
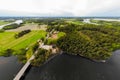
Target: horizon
66,16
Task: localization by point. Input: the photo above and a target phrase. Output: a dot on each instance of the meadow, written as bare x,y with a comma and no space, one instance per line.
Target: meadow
8,41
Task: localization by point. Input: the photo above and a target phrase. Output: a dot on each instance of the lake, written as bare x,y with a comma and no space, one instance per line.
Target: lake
9,66
68,67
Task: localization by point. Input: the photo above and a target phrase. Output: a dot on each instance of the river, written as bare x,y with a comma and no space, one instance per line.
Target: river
16,22
89,22
9,66
68,67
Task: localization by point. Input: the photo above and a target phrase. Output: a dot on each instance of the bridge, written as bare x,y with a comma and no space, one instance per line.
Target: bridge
24,68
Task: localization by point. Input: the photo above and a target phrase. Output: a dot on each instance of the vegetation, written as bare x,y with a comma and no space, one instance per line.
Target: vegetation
92,41
96,42
50,40
41,57
6,53
7,40
20,34
3,22
12,26
24,54
21,55
2,30
108,23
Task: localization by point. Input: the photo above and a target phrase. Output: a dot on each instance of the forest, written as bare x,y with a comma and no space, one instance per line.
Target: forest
96,42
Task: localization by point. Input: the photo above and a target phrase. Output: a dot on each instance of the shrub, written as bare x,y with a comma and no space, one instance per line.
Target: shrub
7,52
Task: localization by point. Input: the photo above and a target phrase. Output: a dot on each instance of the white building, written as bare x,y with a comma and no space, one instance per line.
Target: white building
47,47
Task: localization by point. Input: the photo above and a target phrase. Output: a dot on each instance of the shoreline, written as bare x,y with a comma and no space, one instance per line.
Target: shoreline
99,61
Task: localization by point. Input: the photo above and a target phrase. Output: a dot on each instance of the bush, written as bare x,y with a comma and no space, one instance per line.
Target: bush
7,52
20,52
51,41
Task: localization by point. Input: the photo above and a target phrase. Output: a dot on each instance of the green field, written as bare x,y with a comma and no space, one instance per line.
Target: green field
7,40
76,22
52,40
3,22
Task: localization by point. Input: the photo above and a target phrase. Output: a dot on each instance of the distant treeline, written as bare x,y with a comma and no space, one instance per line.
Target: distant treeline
50,21
12,26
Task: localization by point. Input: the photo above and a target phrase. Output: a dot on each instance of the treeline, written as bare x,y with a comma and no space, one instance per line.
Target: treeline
52,21
20,34
109,23
12,26
47,21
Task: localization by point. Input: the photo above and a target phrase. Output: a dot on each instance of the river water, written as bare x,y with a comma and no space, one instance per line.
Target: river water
68,67
9,66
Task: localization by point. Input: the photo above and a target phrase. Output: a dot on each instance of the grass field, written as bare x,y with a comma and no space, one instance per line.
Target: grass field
7,40
3,22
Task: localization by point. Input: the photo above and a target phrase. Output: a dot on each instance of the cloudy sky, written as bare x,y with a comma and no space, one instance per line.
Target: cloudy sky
59,7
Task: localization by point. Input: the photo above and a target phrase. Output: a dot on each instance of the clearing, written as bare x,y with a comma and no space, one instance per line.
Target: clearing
29,26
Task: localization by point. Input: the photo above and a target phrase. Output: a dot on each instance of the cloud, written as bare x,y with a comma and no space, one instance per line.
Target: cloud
103,7
59,7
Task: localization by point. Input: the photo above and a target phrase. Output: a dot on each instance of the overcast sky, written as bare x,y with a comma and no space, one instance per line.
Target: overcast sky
59,7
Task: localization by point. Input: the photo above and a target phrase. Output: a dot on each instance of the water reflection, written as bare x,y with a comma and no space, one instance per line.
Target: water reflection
67,67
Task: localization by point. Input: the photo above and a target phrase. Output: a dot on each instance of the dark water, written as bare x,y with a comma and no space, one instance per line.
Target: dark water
9,66
67,67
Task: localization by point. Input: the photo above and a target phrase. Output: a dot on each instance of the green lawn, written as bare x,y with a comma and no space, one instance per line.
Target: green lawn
7,40
60,34
52,40
3,22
